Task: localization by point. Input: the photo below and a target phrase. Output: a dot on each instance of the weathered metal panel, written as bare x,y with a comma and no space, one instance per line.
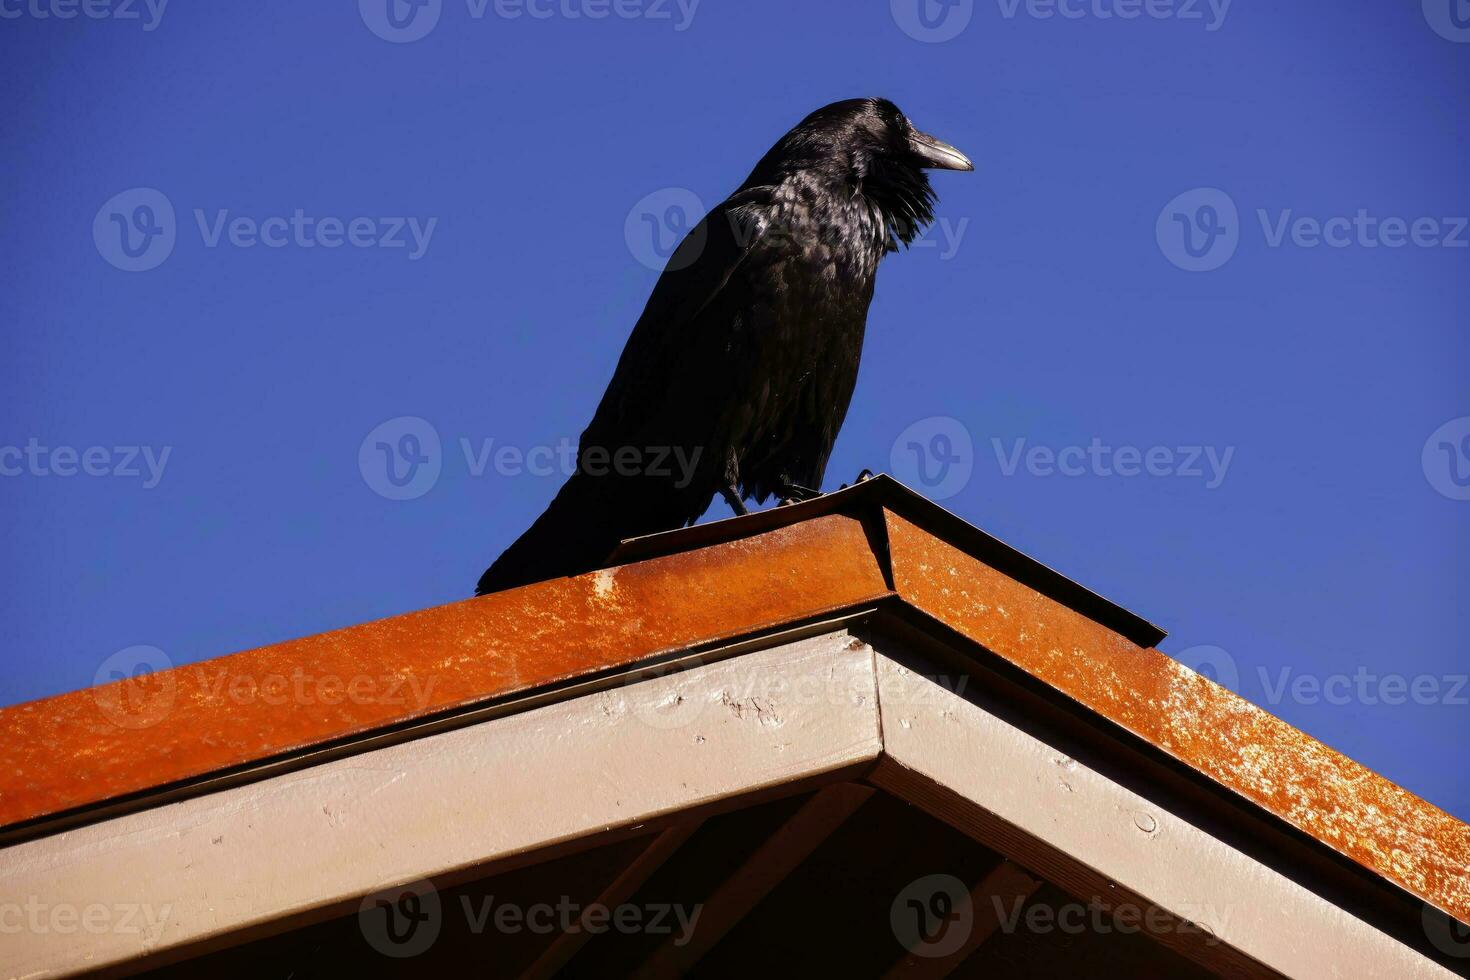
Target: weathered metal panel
1249,751
135,735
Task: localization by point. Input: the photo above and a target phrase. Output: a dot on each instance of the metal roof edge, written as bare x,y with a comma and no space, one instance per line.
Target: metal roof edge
865,499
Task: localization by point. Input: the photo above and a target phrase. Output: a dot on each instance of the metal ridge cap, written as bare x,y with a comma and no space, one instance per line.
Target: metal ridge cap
883,491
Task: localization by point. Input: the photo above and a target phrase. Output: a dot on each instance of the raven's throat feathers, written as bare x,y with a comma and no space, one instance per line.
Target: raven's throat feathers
903,197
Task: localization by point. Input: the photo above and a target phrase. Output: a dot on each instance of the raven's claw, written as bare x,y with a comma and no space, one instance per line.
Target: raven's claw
793,493
732,497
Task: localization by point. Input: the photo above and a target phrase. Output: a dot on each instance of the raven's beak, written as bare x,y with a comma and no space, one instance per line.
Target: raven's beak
937,154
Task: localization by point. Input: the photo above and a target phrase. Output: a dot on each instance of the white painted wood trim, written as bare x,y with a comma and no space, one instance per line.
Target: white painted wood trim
330,834
326,836
1126,838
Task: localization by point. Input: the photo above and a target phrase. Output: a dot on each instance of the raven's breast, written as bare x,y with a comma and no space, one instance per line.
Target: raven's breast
811,280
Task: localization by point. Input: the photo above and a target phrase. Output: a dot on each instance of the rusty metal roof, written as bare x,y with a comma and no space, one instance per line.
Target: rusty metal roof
83,755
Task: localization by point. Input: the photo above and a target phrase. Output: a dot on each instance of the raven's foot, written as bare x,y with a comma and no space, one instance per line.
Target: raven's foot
793,493
862,477
732,497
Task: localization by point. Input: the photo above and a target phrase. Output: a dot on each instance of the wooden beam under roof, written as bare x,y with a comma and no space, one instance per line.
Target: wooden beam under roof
766,868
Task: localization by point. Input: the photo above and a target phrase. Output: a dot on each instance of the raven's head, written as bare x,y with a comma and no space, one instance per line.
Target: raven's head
869,145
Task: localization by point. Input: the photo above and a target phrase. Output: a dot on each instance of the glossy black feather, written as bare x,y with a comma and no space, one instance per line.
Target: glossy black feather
746,355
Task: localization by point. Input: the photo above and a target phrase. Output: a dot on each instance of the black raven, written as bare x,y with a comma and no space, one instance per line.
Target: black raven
739,373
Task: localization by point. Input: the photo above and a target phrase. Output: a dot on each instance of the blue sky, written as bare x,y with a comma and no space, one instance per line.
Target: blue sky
1194,333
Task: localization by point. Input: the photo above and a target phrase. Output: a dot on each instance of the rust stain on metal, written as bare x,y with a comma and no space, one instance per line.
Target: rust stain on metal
91,746
1318,790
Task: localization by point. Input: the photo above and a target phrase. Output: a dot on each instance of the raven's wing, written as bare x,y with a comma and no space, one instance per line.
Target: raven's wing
670,394
674,350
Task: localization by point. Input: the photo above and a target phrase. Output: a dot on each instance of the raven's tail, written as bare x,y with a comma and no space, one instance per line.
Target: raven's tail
585,522
576,533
